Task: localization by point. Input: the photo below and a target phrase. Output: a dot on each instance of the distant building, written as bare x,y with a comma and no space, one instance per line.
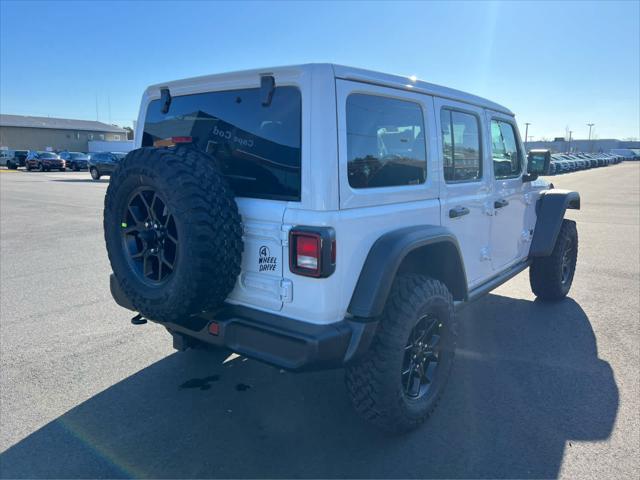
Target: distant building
560,144
41,133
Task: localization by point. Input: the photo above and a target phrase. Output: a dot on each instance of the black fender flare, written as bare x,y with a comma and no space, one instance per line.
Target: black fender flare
384,259
550,210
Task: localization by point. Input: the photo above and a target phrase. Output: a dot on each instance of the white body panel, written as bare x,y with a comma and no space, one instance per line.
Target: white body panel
473,230
511,229
360,216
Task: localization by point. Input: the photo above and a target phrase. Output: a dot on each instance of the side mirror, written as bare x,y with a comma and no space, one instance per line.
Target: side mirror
538,163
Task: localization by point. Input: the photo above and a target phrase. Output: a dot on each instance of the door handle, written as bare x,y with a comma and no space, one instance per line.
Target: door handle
458,212
500,203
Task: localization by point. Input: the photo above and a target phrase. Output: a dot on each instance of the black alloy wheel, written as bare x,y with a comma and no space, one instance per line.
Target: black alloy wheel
421,357
568,261
150,236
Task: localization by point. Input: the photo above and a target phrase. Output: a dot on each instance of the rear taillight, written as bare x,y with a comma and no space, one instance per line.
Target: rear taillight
312,251
308,252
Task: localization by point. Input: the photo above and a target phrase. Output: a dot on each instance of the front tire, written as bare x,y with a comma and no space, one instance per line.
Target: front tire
95,174
551,277
398,382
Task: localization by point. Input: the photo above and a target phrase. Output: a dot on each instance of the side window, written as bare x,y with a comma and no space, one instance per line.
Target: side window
461,146
385,142
507,160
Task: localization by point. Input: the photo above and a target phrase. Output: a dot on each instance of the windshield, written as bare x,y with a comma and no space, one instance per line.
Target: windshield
47,155
258,147
78,156
119,155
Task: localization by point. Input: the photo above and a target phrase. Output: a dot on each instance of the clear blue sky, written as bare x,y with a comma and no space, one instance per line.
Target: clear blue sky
554,64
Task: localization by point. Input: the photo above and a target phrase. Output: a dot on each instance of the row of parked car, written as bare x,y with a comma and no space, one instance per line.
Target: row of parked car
570,162
103,163
98,164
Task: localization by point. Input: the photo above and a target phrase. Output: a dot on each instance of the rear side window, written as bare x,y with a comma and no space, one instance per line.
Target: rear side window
461,146
507,161
258,147
385,142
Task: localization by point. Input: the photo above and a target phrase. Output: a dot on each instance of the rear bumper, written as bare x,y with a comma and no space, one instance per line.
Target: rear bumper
284,342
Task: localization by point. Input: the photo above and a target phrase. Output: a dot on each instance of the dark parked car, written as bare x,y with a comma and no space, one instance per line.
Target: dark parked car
13,159
75,160
44,161
104,163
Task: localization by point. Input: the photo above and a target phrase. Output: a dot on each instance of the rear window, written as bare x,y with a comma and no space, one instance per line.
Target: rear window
258,147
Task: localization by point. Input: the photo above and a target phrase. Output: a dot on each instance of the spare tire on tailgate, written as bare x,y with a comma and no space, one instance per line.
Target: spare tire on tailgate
173,232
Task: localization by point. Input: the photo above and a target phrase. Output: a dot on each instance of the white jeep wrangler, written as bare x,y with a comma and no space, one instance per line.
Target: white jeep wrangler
320,216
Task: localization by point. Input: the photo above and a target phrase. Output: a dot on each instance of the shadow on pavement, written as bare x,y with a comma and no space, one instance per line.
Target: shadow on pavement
527,382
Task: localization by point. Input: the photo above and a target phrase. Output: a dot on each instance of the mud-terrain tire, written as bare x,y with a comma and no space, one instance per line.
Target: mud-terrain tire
551,277
198,226
376,383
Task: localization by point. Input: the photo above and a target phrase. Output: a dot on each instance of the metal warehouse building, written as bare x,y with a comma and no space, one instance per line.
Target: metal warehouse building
42,133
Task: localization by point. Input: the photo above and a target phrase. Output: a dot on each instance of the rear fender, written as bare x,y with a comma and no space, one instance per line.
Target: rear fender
425,249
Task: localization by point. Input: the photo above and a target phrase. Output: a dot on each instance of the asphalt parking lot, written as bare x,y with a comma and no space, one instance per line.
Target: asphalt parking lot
538,390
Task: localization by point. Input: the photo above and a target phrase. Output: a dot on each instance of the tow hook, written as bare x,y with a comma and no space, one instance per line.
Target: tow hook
138,320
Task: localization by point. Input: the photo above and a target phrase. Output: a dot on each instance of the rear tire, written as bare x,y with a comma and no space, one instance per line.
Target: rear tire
380,389
12,166
551,277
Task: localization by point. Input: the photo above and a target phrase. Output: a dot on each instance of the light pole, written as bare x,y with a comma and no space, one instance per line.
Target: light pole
570,133
590,144
526,134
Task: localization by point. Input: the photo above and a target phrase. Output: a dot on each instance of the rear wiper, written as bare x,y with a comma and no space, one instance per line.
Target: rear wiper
267,87
165,99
